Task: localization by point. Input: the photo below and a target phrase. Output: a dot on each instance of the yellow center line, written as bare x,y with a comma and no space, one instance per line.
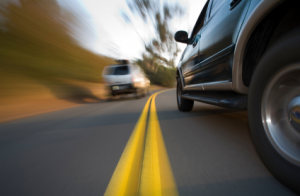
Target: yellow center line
157,177
125,179
139,172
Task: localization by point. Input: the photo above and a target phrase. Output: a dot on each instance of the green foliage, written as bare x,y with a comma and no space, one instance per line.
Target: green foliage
162,75
165,76
35,41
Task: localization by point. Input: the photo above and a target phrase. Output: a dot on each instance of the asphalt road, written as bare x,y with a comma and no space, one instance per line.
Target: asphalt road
75,151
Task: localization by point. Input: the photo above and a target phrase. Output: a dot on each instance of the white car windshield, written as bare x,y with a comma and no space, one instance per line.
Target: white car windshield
122,70
116,70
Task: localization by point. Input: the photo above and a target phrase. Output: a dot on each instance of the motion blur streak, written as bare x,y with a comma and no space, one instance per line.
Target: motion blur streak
157,177
148,175
125,179
42,60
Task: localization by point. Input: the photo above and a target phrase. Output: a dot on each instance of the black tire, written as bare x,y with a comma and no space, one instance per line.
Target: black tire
281,55
184,105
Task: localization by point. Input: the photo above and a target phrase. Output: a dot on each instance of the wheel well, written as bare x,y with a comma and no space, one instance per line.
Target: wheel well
177,74
278,22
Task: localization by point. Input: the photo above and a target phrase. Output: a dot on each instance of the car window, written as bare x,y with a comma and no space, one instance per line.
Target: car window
121,70
207,12
200,22
216,4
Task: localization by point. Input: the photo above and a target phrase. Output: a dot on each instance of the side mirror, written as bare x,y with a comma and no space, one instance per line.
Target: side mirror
181,36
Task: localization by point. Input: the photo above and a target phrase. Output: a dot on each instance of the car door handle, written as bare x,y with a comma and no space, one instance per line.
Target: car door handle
195,43
196,40
234,3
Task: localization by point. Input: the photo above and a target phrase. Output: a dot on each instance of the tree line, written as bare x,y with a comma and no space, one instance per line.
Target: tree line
36,41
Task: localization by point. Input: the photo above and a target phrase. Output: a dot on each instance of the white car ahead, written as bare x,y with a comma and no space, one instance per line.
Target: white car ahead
126,79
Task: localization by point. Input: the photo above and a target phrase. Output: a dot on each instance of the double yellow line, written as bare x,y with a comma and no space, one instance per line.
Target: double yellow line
144,168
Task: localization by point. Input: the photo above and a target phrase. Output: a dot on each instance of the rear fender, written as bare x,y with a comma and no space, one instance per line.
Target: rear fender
256,16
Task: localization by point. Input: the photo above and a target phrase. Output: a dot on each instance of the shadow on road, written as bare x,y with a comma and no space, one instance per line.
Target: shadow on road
171,114
125,98
70,92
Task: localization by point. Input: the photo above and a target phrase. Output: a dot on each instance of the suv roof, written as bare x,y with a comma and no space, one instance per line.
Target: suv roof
123,61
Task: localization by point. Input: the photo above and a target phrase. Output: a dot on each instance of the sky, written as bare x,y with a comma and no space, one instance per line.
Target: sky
104,31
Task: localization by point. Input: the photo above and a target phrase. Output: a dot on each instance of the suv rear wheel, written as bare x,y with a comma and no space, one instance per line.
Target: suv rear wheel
184,105
274,110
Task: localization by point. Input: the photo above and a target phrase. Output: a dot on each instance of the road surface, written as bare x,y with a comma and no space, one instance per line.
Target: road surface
76,151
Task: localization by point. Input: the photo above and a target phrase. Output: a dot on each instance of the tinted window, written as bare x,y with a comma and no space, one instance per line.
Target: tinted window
200,21
215,6
122,70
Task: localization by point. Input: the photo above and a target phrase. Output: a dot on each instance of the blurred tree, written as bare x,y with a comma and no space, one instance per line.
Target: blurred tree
160,14
161,52
36,41
164,76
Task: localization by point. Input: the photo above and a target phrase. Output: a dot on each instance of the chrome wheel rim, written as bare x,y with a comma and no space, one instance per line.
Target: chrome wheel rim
281,112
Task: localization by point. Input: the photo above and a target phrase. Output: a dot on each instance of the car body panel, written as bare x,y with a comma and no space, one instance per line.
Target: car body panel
216,48
190,58
221,54
258,10
111,78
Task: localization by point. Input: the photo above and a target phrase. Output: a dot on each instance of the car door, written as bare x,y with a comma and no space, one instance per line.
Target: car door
190,57
218,38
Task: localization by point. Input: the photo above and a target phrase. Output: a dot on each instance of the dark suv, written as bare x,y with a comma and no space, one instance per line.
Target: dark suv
246,54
